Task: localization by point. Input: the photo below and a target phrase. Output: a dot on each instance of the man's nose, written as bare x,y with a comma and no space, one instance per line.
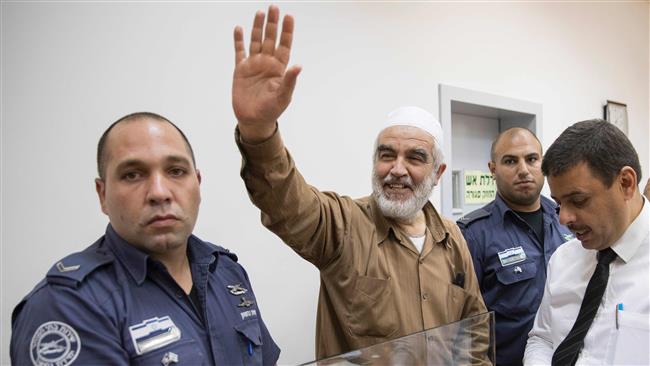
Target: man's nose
399,168
566,216
159,191
523,169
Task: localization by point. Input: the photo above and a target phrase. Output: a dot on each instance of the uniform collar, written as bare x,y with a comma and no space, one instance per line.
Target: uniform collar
136,261
500,206
628,244
548,207
384,226
201,253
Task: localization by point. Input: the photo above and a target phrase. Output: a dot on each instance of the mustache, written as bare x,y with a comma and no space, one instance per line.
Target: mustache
405,181
576,228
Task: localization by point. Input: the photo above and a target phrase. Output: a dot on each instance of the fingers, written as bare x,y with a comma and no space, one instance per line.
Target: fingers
240,52
264,41
286,37
270,33
256,33
288,84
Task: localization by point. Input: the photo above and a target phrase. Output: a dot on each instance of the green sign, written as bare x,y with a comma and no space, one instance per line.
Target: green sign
479,187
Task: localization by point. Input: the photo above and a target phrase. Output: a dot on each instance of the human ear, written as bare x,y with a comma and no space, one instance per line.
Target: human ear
100,188
627,181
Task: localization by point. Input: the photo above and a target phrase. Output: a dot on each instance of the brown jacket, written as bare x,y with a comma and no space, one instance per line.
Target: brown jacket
375,286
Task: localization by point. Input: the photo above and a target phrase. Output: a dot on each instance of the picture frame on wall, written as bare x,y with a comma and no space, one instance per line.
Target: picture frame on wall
616,114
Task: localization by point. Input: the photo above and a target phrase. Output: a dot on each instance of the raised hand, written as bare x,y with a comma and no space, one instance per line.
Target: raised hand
262,85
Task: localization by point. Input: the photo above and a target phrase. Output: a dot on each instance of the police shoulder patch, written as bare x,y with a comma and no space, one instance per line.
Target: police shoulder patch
473,216
73,269
54,343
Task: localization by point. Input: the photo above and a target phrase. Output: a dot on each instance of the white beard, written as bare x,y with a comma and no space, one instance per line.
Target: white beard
401,210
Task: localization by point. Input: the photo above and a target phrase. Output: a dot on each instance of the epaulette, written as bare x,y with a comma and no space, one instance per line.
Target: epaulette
73,269
226,252
472,216
215,248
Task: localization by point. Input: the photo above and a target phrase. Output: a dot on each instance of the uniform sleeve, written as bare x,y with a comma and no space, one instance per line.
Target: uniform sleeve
312,223
61,325
479,333
270,350
474,303
539,348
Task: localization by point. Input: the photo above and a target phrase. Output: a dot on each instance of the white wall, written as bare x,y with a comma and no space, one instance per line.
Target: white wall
471,144
69,69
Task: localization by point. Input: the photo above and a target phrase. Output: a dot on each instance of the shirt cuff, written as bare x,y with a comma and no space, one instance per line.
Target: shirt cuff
264,151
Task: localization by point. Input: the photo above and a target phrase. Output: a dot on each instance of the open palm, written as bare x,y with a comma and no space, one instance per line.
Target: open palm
262,84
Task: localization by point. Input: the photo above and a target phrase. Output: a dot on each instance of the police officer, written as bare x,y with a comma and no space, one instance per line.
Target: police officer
148,291
511,240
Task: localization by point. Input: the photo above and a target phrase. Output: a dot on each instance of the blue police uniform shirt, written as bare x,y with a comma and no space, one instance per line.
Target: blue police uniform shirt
510,265
112,304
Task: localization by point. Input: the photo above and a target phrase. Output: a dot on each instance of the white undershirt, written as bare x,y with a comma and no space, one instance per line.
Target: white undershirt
418,242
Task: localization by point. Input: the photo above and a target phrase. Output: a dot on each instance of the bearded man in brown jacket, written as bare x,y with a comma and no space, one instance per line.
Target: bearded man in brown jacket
389,264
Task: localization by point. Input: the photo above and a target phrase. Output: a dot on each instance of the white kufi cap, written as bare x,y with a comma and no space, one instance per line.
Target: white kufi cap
415,117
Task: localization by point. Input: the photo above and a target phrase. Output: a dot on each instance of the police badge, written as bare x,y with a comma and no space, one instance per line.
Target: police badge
54,343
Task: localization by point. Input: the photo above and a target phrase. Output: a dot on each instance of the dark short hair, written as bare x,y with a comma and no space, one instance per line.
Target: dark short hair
600,144
101,145
510,132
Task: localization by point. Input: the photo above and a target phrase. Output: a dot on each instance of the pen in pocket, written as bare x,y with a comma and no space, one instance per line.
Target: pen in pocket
619,308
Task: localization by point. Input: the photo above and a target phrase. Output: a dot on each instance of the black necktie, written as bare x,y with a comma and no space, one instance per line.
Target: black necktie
568,351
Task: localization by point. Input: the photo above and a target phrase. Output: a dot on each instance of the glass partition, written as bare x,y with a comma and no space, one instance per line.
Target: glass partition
466,342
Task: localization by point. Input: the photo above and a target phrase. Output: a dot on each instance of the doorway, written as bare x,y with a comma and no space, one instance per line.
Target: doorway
470,121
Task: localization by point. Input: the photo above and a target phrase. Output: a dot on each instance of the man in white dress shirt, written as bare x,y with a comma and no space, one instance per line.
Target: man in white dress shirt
595,311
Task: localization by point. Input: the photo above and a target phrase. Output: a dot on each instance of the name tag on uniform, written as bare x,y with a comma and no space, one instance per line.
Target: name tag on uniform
512,256
154,333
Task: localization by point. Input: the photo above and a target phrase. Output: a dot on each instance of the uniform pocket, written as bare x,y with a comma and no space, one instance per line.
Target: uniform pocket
182,352
372,308
519,292
251,340
516,273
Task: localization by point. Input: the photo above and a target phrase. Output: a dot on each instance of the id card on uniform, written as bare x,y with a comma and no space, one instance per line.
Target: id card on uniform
154,333
512,256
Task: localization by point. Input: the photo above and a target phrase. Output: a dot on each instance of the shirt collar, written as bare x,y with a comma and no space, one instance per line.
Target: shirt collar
136,261
628,244
201,253
548,207
502,208
433,221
